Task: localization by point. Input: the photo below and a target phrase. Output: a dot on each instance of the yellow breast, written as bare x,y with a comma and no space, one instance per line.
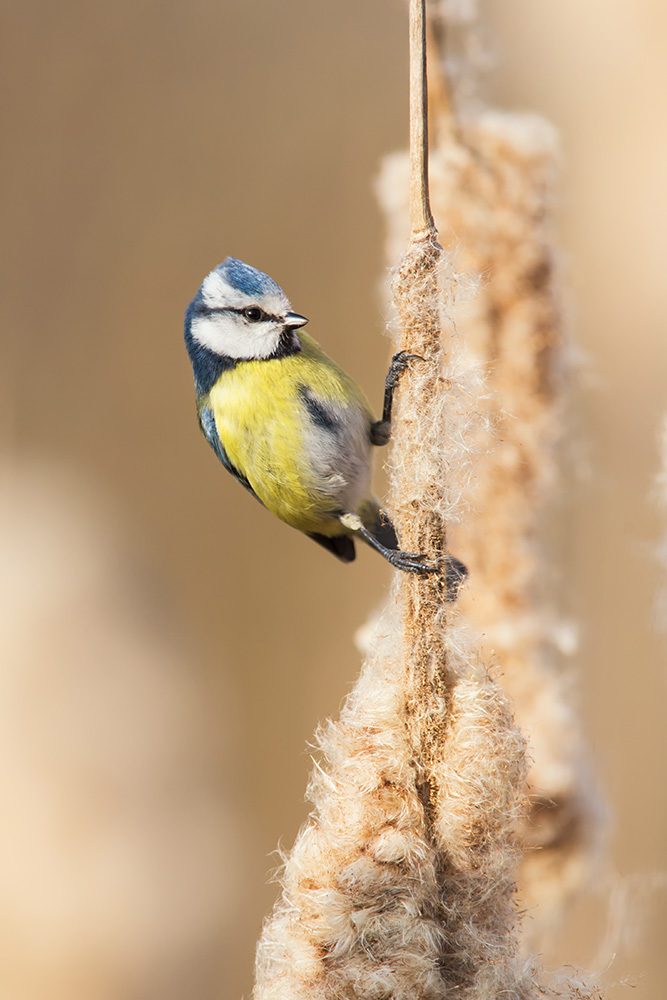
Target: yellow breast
269,436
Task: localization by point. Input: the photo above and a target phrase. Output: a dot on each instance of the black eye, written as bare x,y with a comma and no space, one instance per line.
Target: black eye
253,314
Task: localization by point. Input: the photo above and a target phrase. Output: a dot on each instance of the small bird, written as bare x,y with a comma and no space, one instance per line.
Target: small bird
287,422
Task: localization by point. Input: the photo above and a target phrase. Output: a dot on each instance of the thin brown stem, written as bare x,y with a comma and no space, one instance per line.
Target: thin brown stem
421,219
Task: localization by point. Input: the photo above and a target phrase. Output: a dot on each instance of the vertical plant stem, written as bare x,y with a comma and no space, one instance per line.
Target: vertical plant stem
421,220
421,527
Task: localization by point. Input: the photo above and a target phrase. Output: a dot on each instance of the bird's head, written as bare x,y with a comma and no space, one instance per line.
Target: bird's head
242,314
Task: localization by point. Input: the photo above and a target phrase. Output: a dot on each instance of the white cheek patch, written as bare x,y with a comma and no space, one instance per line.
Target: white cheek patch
230,335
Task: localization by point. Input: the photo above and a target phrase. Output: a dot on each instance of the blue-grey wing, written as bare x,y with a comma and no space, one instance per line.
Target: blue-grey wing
210,432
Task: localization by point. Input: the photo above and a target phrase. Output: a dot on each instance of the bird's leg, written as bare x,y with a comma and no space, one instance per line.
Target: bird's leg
410,562
381,429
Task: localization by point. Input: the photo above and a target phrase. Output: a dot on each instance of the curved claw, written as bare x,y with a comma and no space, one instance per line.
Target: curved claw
400,361
402,357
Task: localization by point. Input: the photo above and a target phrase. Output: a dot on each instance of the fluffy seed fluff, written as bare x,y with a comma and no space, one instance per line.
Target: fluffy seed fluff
492,190
379,900
402,882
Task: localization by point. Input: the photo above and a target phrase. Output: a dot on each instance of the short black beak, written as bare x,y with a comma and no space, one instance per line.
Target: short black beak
294,321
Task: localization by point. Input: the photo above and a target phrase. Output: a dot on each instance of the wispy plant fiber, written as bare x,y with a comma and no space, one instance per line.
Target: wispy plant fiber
402,882
382,897
493,183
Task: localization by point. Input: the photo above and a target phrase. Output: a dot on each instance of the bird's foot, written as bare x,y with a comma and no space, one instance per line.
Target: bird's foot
411,562
455,572
399,362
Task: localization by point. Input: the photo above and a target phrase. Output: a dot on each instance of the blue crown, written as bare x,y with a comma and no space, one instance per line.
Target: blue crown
245,278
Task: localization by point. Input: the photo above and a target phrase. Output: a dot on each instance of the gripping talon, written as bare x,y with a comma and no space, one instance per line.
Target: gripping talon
411,562
400,360
454,570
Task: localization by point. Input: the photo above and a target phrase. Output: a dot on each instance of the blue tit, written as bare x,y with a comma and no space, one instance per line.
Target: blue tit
288,423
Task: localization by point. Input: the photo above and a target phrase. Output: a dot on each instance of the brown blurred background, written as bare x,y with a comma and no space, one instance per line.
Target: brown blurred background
168,649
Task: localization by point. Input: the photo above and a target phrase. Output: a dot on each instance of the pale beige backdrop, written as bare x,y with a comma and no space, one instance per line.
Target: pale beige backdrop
150,607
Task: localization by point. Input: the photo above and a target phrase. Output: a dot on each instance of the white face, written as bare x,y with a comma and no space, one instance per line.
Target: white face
244,325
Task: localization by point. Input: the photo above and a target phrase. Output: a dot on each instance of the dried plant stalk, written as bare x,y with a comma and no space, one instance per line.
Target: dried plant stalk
401,884
493,180
421,526
380,898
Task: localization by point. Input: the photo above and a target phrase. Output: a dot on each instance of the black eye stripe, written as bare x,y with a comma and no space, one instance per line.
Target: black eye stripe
264,315
214,310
